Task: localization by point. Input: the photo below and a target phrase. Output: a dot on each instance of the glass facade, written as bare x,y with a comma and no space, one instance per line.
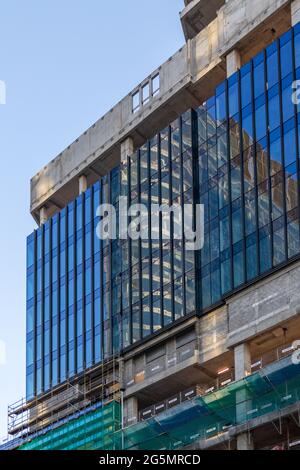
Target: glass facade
238,155
73,318
249,167
158,272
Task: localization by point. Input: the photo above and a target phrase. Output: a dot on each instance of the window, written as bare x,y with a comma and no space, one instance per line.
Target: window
233,96
274,109
246,85
136,102
272,64
143,95
259,75
146,94
155,85
286,54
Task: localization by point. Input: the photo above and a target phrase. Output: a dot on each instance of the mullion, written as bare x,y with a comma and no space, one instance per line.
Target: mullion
282,154
242,178
296,131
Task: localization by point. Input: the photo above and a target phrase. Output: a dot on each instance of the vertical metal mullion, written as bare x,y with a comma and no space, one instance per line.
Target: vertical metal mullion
164,287
92,277
266,92
182,211
296,130
219,211
171,227
129,254
255,173
67,291
150,300
140,243
109,177
35,317
269,167
58,299
228,130
283,151
242,173
50,300
42,305
196,201
75,285
160,233
269,164
83,202
150,239
101,281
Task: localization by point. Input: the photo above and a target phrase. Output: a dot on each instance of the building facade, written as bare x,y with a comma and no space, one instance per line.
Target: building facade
157,345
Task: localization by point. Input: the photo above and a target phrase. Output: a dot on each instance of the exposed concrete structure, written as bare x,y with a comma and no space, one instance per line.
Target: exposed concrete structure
83,185
233,62
245,442
127,149
269,304
43,215
197,14
242,361
186,79
131,411
242,367
295,11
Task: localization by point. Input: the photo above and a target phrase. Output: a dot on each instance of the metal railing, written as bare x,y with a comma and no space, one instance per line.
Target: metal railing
272,356
170,402
224,379
164,363
190,350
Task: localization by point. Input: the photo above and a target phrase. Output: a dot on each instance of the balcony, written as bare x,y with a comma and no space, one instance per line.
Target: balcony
267,394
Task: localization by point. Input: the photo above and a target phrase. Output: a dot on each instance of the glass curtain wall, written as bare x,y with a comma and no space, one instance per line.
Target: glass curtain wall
238,155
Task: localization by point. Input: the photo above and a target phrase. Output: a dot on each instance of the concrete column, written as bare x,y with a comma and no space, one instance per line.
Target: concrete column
242,367
295,12
127,149
233,62
242,361
43,215
131,411
245,442
82,182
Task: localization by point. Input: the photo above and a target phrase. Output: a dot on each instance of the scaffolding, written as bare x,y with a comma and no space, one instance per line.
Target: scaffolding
269,390
91,397
93,430
199,414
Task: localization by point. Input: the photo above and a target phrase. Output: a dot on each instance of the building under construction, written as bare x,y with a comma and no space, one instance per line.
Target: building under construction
144,343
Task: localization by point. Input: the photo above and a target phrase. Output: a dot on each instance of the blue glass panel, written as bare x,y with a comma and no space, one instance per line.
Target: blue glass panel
289,144
274,110
286,54
287,103
259,75
272,64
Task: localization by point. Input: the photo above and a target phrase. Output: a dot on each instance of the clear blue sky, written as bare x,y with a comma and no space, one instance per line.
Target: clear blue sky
65,63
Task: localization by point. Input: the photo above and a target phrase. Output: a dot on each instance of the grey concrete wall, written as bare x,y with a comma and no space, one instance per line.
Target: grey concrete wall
212,334
264,306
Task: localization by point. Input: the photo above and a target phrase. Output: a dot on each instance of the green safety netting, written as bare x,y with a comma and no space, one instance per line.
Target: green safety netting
271,389
92,430
204,417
